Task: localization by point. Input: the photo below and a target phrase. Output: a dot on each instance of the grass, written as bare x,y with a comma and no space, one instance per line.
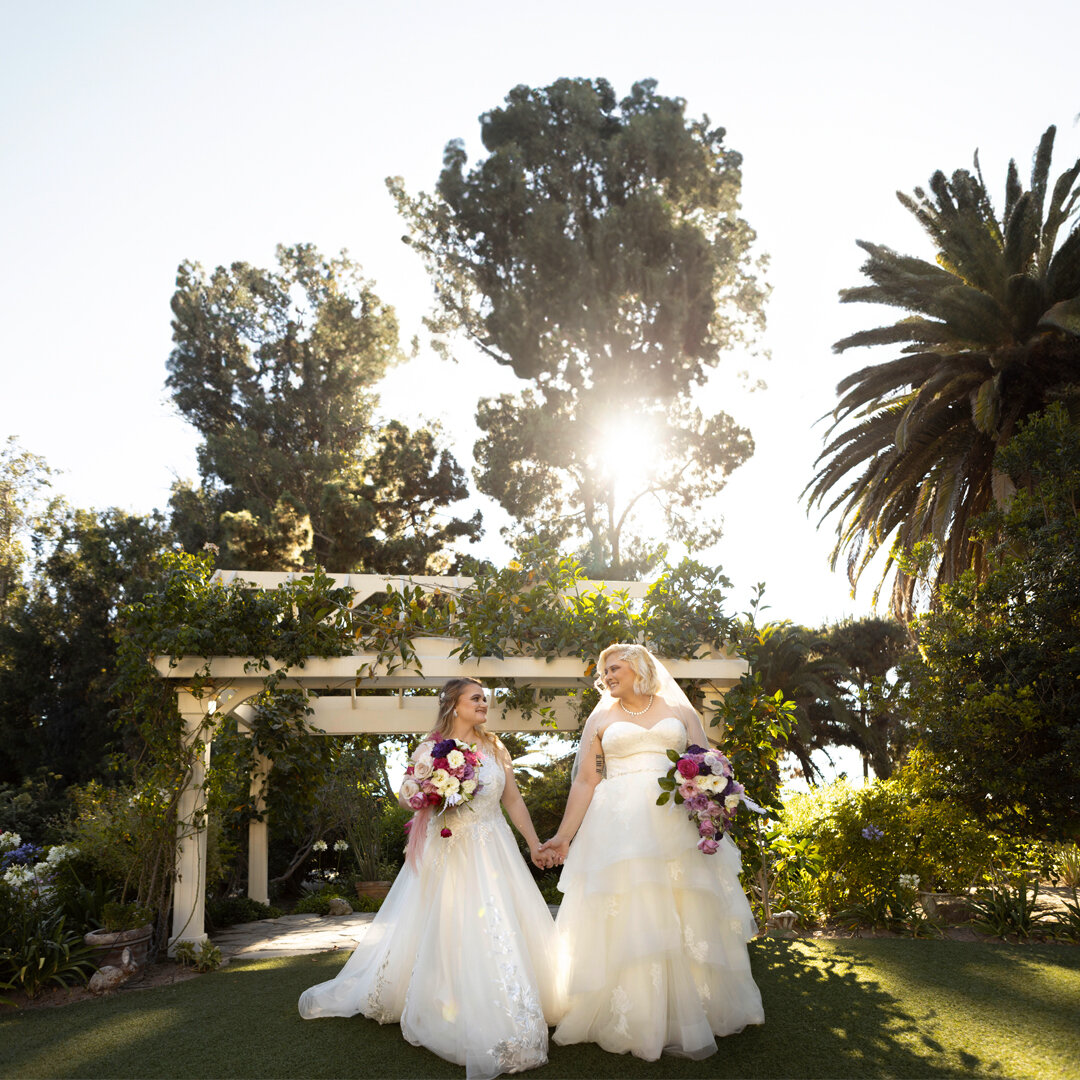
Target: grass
858,1008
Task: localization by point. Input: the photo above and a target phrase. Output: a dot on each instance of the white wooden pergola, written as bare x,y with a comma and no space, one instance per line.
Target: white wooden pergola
234,680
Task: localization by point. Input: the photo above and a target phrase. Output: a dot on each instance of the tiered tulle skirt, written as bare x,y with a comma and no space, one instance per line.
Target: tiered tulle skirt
653,932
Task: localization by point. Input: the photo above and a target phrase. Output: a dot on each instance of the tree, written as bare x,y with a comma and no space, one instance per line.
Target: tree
996,692
990,335
275,369
843,681
598,252
57,649
869,652
23,476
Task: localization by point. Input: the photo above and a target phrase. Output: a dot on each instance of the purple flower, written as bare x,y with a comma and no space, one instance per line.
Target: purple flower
23,855
707,827
443,747
699,803
695,749
707,845
872,832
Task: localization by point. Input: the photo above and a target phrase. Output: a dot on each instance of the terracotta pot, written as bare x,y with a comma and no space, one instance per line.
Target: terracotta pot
374,889
108,945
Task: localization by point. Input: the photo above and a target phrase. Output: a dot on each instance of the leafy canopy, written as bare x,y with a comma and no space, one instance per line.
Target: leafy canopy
996,692
275,368
990,334
597,251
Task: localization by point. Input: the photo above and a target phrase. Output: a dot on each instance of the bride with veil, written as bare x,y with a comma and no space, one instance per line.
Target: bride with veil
653,932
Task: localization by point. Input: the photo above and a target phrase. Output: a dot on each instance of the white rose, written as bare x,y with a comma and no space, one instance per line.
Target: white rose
409,789
468,786
423,753
455,759
731,801
453,784
422,769
439,778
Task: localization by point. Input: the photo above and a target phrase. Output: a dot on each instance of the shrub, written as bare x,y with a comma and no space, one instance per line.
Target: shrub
117,918
37,948
318,903
203,957
867,837
222,911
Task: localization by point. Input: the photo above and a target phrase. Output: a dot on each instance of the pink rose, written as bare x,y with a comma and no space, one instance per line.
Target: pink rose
687,768
707,845
688,791
445,832
418,802
707,827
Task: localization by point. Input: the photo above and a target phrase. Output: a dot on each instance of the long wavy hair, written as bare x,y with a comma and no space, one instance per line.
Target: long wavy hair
448,699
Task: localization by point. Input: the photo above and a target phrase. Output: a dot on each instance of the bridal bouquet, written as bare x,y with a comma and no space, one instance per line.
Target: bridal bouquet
441,774
703,780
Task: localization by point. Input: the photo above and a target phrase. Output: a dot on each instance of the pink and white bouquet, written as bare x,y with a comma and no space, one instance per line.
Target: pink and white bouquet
703,780
442,773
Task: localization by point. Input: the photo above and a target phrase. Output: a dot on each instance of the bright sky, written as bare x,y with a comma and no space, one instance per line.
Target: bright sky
136,135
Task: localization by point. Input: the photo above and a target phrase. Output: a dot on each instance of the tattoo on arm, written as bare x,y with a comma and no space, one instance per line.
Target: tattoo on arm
599,763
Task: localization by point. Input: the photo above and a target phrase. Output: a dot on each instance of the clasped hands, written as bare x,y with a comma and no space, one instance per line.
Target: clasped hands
551,853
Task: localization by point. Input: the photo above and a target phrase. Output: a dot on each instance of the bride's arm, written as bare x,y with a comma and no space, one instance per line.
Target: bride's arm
515,806
590,773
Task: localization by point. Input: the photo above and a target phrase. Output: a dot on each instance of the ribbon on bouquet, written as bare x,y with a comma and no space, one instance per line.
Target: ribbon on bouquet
416,827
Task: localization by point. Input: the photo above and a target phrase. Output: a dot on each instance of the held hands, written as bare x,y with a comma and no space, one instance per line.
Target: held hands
552,852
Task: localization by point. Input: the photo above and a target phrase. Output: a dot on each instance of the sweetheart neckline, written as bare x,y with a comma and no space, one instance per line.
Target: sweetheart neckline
641,727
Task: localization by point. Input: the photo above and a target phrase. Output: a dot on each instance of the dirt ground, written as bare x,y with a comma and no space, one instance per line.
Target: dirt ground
153,975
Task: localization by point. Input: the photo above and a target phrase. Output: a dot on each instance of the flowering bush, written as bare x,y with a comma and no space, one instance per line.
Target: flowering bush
703,780
37,947
872,841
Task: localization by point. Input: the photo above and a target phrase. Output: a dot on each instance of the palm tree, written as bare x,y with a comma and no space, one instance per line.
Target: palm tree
990,335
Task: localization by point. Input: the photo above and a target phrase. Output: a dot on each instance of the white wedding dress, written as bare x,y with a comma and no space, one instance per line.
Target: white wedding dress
463,952
653,931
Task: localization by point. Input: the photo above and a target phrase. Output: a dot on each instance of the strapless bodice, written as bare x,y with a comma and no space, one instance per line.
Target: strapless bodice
631,748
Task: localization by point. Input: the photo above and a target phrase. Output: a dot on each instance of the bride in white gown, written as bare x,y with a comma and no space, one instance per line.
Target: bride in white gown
463,950
653,930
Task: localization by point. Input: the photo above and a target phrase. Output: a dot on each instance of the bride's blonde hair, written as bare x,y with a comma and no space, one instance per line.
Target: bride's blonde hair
647,678
448,699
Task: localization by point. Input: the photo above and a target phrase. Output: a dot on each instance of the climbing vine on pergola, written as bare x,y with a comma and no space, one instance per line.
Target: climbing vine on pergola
362,653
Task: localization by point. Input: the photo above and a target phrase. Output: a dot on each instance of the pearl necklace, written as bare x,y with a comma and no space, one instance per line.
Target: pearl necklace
640,712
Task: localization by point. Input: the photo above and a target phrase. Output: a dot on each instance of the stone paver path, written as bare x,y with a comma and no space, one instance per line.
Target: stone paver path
291,935
295,935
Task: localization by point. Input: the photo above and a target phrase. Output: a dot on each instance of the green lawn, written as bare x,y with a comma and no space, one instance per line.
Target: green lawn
873,1008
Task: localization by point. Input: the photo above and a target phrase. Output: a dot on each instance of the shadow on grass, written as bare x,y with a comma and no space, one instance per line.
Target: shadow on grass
827,1015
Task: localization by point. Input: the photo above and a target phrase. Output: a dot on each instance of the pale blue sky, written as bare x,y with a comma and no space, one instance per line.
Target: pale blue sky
136,135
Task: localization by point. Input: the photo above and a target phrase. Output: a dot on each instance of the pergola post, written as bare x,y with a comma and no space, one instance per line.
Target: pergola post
189,893
258,832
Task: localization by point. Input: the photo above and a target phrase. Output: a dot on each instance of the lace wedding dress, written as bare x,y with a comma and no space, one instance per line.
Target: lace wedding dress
462,952
653,931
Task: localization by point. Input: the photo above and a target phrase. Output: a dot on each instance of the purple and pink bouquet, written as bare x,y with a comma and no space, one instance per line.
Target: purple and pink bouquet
442,773
703,780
